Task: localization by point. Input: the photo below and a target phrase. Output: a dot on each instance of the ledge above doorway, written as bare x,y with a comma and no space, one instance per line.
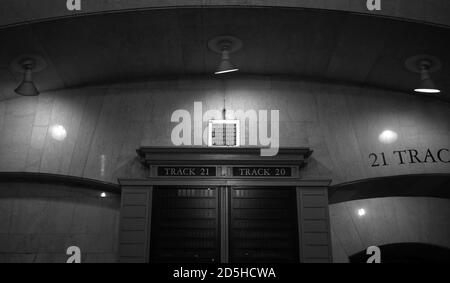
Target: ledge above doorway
221,156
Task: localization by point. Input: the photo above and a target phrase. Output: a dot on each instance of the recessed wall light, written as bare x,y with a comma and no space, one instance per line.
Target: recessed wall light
361,212
388,136
58,132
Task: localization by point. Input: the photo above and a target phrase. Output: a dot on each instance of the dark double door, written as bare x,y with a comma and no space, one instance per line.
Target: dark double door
185,225
261,225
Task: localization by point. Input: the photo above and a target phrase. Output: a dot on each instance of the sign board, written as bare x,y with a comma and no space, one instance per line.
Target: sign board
186,171
262,171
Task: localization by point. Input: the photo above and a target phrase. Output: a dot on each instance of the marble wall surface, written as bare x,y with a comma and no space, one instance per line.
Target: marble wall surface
106,124
388,220
38,222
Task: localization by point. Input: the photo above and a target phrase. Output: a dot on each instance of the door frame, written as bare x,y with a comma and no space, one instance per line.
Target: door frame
223,185
312,194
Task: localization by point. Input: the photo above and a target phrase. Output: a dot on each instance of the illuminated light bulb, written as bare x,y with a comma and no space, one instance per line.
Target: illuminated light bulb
427,90
103,195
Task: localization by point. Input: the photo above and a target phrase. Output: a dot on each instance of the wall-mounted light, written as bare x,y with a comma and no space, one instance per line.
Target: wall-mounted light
225,45
27,64
58,132
361,212
388,136
424,65
103,195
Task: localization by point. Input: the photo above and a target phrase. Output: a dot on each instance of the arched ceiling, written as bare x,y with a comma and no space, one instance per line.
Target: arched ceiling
308,44
24,11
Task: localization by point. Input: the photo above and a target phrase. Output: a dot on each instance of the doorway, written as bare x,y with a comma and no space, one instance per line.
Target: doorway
224,205
186,226
263,225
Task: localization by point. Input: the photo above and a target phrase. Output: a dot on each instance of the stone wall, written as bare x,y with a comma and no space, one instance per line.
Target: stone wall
388,220
39,221
106,124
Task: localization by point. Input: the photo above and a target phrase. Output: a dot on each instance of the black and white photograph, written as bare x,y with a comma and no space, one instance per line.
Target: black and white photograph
225,139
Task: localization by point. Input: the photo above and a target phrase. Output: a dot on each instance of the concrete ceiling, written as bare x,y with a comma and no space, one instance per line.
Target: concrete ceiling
308,44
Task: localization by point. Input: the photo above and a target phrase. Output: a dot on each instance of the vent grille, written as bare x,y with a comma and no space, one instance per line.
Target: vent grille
224,133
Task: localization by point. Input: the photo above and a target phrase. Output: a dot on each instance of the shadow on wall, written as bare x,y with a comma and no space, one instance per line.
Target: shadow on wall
41,216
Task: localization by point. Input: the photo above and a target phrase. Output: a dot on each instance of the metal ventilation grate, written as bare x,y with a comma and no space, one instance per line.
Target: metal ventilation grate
224,133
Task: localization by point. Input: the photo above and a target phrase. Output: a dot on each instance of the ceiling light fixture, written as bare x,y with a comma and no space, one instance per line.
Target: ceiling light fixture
225,45
27,64
424,65
426,83
225,65
27,87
